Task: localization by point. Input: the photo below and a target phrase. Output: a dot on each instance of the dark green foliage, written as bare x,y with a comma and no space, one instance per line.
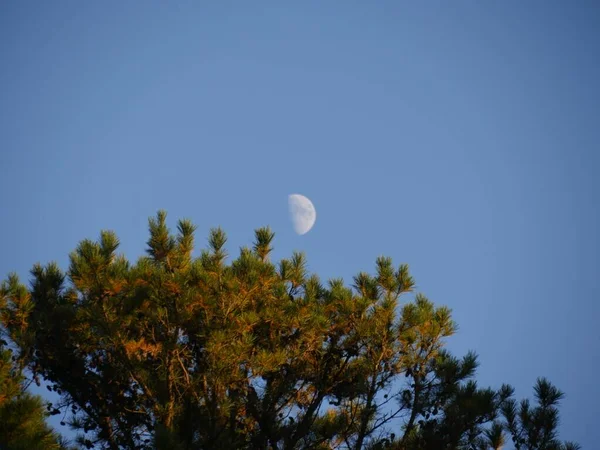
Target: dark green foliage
175,352
536,427
22,415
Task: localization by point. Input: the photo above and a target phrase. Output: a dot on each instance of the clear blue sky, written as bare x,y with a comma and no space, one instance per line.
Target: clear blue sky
459,137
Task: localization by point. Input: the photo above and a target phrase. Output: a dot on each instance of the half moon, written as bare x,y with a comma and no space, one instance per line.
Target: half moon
302,213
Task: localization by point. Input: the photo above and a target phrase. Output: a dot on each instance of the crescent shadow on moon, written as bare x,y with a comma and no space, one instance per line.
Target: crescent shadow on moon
302,213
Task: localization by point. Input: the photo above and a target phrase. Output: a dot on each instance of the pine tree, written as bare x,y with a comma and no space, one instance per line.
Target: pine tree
536,428
177,352
22,415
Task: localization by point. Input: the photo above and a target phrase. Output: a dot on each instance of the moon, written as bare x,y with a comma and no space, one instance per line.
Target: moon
302,213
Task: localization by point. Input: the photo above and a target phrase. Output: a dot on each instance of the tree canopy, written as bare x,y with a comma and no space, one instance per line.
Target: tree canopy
182,352
22,415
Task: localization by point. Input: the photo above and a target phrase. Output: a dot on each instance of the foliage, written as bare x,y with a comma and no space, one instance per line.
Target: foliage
22,415
184,353
536,427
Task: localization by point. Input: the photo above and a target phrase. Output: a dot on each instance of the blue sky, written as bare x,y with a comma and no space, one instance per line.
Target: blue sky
459,137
